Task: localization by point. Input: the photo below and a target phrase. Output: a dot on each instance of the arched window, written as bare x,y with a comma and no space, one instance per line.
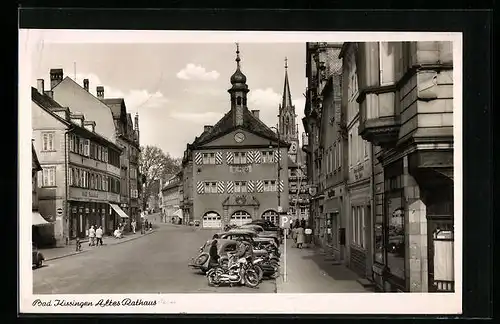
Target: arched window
240,217
271,215
212,219
238,100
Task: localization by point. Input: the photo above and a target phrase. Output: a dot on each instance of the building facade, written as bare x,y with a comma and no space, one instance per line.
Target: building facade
80,183
289,132
405,101
235,176
170,199
127,137
325,148
359,181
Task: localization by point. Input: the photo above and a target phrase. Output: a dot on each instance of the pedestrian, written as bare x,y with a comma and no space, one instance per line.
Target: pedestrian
214,256
150,226
303,223
91,236
134,224
78,245
98,235
300,236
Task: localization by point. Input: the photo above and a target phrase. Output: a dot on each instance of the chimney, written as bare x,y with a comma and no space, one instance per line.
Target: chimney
86,84
256,113
56,76
40,86
89,125
207,128
100,92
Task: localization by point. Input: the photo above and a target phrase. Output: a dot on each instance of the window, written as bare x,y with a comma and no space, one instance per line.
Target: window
70,180
98,152
269,185
351,152
240,186
86,148
106,154
104,185
240,158
72,143
208,158
76,180
48,141
49,176
210,187
354,225
80,146
267,157
339,158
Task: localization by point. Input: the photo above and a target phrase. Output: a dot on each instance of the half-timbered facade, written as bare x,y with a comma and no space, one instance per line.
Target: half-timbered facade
233,166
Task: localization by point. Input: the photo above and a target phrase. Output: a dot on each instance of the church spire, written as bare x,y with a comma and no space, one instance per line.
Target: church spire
287,96
238,91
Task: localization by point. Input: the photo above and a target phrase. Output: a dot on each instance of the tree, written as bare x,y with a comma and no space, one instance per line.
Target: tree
154,164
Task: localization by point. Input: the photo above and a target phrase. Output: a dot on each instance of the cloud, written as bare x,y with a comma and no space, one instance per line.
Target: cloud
197,72
204,118
264,98
134,99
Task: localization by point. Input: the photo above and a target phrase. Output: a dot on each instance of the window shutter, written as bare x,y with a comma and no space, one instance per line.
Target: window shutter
200,187
250,157
230,157
218,157
198,158
220,187
257,157
230,187
250,186
259,186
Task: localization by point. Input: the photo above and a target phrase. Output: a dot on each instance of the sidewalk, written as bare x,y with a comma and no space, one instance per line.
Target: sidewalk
68,250
308,272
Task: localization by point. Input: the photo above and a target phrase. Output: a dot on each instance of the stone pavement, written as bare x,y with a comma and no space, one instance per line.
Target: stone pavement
308,272
69,250
156,263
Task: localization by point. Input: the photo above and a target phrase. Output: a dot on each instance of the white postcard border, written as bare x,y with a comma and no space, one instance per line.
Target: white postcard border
31,41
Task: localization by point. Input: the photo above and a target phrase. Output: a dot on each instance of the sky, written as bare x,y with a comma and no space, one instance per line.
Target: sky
179,88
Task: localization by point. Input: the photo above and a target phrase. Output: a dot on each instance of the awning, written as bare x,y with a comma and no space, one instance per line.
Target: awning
119,211
178,213
38,219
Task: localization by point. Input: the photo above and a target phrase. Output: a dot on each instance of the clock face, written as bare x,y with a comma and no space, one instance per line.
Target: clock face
293,148
239,137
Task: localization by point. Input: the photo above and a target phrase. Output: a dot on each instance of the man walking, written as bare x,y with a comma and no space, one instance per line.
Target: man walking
91,236
134,225
98,235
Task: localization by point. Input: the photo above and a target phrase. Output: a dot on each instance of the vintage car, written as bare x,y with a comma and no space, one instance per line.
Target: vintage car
202,261
37,257
261,232
246,234
267,225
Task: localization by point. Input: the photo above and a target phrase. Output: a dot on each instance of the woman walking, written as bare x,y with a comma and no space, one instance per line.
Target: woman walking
300,237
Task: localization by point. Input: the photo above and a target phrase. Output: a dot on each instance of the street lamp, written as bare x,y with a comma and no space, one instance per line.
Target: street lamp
278,166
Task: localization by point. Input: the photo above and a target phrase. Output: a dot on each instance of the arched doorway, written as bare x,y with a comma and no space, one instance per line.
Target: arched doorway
212,219
272,216
240,217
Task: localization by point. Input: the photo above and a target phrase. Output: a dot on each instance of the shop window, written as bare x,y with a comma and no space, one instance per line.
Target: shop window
395,234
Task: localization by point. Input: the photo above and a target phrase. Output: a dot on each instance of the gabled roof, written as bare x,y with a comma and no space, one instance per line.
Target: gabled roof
35,164
47,104
115,104
225,125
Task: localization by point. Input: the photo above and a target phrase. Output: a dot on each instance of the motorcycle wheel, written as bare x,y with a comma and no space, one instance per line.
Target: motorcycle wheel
212,278
259,271
251,278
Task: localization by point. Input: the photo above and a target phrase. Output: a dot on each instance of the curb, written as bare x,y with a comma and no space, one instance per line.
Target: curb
75,253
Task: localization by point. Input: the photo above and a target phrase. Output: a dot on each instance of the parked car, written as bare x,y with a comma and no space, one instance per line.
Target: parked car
202,261
196,223
37,257
247,235
263,233
191,223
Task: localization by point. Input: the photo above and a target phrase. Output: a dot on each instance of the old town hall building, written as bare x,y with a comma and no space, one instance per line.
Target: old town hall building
231,169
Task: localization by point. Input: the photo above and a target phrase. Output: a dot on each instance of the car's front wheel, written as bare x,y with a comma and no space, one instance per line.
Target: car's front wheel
39,263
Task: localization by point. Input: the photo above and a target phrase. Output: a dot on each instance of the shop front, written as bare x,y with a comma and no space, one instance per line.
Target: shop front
118,217
334,223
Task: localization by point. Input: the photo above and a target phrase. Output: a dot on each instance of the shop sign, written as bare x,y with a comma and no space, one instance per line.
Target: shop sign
240,168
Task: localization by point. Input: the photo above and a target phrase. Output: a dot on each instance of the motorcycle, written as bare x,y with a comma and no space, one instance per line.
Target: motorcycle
231,274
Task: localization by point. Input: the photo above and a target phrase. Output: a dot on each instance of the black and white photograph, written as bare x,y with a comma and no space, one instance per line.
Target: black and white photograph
190,171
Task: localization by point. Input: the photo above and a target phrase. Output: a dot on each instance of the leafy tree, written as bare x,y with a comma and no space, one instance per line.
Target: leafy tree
155,164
